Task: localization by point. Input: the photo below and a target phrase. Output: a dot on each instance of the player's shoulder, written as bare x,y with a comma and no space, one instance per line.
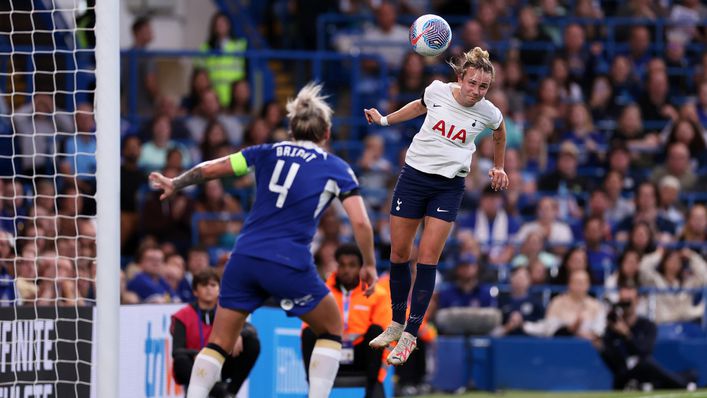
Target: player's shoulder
488,106
437,86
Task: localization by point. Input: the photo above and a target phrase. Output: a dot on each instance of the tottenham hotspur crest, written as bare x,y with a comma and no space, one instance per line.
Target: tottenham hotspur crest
399,202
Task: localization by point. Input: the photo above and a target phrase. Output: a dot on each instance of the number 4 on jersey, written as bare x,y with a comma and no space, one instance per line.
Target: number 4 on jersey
283,189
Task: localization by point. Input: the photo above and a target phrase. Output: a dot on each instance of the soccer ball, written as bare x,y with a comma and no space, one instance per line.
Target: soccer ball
430,35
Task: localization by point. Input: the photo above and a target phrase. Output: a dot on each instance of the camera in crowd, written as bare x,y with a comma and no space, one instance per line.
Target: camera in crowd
618,311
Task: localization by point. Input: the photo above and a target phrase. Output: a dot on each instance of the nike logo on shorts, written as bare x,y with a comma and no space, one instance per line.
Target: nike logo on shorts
442,211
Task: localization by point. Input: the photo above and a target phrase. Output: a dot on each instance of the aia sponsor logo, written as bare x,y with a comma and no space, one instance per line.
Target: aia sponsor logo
451,132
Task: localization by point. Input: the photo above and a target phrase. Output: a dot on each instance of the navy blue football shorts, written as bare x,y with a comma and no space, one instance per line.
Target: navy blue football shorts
419,194
249,281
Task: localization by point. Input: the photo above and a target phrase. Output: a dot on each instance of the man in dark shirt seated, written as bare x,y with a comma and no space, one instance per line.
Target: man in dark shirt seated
191,327
628,347
519,305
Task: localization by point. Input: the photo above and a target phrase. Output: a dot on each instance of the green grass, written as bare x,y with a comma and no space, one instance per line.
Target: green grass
612,394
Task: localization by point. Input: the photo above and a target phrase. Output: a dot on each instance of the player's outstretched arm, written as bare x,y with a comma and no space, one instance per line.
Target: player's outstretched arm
410,111
499,178
198,174
363,232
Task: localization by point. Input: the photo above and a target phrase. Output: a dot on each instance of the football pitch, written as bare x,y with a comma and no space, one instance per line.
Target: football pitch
608,394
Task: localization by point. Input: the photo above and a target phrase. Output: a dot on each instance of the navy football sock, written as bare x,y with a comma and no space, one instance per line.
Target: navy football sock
399,290
421,295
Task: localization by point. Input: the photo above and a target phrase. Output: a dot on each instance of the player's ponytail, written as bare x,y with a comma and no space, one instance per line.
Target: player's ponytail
477,58
309,114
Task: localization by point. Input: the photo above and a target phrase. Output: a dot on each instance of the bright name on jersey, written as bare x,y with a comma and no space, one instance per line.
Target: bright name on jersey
288,151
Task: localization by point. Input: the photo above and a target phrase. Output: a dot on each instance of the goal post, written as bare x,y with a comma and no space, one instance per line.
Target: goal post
107,104
59,198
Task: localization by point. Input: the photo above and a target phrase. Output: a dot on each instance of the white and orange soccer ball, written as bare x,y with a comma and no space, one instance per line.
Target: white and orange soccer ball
430,35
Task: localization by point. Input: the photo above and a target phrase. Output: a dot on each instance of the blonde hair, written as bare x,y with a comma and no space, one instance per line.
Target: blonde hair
476,58
309,114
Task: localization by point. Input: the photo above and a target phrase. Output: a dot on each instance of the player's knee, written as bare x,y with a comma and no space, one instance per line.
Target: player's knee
400,254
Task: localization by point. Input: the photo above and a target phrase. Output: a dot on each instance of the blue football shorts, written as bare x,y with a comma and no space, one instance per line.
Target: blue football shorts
419,194
249,281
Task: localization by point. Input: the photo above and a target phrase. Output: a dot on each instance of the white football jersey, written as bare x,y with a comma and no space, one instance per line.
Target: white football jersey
445,142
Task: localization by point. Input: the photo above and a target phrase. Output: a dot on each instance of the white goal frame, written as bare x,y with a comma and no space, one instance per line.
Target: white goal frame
107,109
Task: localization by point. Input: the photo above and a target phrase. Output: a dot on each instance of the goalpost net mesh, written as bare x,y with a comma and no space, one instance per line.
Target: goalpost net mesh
47,197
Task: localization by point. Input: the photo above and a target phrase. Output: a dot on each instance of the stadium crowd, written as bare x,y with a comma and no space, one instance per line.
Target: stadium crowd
606,156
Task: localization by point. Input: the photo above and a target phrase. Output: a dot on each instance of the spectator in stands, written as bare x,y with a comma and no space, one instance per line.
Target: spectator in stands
514,135
569,90
487,14
600,100
197,261
174,272
655,102
695,231
472,35
131,179
630,132
36,125
530,39
25,277
241,104
619,161
374,171
690,133
646,202
600,255
224,69
576,313
213,200
71,204
364,319
598,206
191,328
590,10
514,87
628,347
147,87
199,83
519,305
386,37
686,18
555,233
126,296
14,207
7,269
581,132
214,137
533,248
642,238
80,149
548,104
676,59
565,181
208,109
669,205
677,164
675,269
579,61
148,284
411,81
492,227
639,52
273,115
153,154
574,260
168,220
464,291
626,275
702,94
57,280
534,158
624,82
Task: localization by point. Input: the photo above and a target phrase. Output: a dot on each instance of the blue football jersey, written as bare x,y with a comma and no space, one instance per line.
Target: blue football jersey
295,183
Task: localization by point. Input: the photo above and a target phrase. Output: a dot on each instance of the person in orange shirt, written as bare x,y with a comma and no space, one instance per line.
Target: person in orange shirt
364,319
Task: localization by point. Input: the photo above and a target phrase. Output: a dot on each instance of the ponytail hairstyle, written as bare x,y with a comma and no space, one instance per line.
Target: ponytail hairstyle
477,58
309,114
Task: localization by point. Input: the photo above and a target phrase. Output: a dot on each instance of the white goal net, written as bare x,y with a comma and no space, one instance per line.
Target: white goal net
49,206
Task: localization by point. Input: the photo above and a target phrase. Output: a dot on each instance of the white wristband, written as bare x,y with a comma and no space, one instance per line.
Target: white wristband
384,121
